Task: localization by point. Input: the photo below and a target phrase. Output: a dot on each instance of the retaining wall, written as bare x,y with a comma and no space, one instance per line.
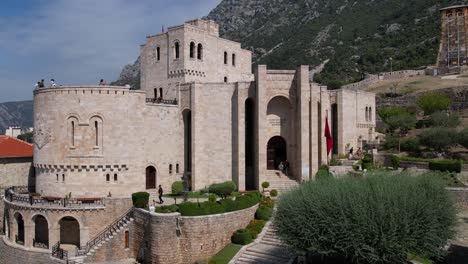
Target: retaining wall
11,253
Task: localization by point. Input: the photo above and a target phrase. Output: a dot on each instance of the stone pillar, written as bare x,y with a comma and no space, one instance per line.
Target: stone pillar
196,170
28,234
260,114
242,91
54,236
302,124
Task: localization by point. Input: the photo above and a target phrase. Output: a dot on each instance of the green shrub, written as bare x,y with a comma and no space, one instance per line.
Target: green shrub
265,185
165,209
439,138
205,208
375,219
267,202
223,189
432,102
212,198
395,162
323,174
255,227
463,138
263,213
367,162
441,119
245,201
445,165
177,188
411,145
140,199
242,237
391,142
229,205
274,193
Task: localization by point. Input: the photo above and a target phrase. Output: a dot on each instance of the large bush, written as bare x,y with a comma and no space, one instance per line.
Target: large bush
323,174
433,102
177,188
410,144
242,237
441,119
263,213
195,209
445,165
376,219
463,138
223,189
439,138
255,227
140,199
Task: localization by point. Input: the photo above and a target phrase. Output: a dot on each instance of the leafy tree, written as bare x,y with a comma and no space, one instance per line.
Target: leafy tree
433,102
441,119
439,138
334,84
398,120
386,112
28,137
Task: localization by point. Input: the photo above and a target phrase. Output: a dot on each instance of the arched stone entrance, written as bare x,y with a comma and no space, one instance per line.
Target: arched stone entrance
69,231
150,177
276,152
41,231
19,229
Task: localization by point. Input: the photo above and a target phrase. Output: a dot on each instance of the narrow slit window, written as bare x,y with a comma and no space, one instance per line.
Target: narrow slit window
370,113
233,59
72,139
127,239
57,177
115,177
170,168
158,54
63,177
177,168
160,93
225,79
200,51
176,49
96,128
225,58
107,177
192,50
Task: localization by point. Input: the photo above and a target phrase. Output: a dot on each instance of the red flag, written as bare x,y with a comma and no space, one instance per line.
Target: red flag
328,137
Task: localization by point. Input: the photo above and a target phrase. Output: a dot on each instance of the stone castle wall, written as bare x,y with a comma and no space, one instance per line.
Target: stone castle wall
11,253
171,238
374,78
16,172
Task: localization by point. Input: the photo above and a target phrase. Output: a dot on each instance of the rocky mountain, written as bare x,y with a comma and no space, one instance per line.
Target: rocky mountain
16,114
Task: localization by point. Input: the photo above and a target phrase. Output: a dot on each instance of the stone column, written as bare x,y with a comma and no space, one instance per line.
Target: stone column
260,122
242,90
302,124
28,234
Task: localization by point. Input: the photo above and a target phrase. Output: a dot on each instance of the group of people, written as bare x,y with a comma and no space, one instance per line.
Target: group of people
41,84
284,167
358,154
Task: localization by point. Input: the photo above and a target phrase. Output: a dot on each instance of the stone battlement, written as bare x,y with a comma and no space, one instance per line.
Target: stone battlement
115,90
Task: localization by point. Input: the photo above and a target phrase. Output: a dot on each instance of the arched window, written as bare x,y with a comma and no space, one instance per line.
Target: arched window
57,177
72,139
233,59
176,49
63,177
370,113
170,168
155,93
127,239
96,133
192,50
160,93
158,54
177,168
225,57
107,177
115,177
200,51
367,113
225,79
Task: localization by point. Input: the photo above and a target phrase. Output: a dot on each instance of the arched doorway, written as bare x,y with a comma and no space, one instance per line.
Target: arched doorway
19,229
41,231
187,117
150,177
276,152
69,231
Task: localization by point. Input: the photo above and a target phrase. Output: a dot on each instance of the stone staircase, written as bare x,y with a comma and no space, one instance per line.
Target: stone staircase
105,236
267,249
279,181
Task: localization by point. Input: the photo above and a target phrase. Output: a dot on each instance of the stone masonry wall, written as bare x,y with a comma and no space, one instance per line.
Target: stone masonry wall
171,238
10,254
15,172
113,250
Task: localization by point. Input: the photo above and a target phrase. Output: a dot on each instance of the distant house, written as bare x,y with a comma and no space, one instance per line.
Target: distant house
16,157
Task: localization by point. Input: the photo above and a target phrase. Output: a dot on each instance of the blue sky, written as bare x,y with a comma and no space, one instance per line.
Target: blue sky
79,41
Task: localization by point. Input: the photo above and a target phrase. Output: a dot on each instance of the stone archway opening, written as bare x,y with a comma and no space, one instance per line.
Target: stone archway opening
41,232
276,152
19,238
69,231
150,177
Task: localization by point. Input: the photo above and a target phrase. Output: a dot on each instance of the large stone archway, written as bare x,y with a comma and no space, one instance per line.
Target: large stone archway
19,237
41,231
150,177
69,231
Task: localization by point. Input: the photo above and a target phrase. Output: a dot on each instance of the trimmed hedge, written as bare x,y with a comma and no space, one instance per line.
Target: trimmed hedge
265,185
274,193
446,165
212,198
376,219
255,227
267,202
395,162
177,188
263,213
223,189
140,199
223,206
242,237
166,209
323,174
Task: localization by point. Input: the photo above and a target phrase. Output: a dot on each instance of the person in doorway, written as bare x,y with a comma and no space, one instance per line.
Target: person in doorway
52,83
286,167
160,192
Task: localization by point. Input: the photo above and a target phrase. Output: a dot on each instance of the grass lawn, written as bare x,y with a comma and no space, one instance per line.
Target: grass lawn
190,195
419,259
226,254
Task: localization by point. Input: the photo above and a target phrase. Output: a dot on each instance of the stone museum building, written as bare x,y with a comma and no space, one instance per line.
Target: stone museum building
203,114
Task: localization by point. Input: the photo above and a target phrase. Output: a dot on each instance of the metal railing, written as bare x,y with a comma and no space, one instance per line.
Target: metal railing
12,195
58,252
161,101
112,228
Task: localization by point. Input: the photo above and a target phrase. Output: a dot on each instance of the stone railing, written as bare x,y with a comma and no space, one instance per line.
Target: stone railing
161,101
16,195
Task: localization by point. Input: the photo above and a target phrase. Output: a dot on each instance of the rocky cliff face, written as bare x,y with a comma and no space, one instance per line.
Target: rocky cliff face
130,75
16,114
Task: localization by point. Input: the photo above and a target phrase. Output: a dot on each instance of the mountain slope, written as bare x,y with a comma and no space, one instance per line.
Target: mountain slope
16,114
357,36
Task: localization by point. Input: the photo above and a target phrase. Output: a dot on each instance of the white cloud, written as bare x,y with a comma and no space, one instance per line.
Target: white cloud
81,41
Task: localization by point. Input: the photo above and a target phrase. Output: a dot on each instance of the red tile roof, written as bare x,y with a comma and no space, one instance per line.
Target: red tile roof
12,147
